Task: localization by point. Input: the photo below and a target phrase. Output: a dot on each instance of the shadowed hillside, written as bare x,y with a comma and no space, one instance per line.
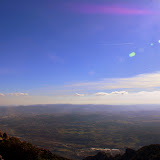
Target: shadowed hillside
11,148
151,152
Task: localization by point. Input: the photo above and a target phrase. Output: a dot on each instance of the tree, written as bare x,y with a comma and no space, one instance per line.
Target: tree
5,136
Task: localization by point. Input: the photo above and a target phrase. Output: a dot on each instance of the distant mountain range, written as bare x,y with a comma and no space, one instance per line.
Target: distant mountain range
69,108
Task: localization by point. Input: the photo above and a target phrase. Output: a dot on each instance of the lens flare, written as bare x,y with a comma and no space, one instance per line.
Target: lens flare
152,44
132,54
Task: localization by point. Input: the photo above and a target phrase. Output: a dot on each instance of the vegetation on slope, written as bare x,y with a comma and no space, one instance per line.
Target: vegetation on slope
11,148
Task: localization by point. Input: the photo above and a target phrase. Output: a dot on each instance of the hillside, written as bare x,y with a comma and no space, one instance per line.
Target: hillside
151,152
11,148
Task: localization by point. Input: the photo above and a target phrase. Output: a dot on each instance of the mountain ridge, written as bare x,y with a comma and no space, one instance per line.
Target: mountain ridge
11,148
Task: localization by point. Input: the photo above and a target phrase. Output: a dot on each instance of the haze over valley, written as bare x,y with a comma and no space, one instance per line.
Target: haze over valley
78,78
73,130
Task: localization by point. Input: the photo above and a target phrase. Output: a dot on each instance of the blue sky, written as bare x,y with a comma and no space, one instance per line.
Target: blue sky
60,51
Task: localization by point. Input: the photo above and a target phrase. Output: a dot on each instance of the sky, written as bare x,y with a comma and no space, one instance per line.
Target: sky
79,52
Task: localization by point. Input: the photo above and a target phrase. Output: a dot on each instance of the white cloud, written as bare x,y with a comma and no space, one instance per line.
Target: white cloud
17,94
1,94
105,94
140,89
141,81
80,95
119,92
144,93
101,94
142,97
112,93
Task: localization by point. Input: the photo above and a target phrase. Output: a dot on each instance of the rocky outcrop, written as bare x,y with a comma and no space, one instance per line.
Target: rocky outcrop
151,152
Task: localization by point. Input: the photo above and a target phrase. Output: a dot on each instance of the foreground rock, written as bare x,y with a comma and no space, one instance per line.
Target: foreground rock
12,148
151,152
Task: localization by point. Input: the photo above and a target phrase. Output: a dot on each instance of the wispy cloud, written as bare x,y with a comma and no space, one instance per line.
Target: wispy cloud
116,44
114,94
17,94
120,97
142,97
108,94
141,81
1,94
102,94
137,83
80,95
139,89
87,8
119,93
